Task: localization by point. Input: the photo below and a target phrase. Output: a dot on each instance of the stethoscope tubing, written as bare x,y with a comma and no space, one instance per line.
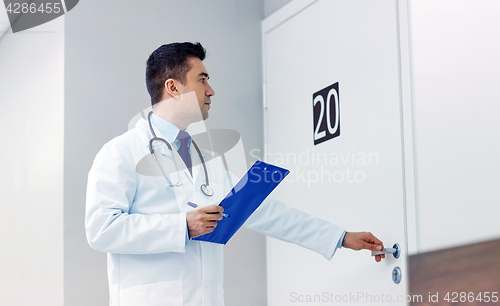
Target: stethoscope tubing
205,188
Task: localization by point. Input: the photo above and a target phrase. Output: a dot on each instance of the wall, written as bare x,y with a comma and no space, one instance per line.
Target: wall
271,6
107,45
31,165
456,69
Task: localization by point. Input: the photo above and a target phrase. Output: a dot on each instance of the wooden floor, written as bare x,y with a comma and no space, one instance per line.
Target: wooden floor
473,268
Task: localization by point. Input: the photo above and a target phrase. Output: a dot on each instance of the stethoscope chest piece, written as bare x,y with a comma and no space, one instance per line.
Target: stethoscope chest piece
207,190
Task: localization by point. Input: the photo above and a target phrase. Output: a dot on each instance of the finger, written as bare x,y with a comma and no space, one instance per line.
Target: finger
209,208
213,216
371,246
378,258
211,224
369,237
213,209
374,241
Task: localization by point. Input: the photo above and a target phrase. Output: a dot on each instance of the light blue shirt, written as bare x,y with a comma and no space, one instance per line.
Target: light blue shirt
170,132
339,244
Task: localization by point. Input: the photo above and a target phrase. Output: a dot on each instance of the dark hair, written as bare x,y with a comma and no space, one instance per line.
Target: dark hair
170,62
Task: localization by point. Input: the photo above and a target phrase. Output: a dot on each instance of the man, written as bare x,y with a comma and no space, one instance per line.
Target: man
143,221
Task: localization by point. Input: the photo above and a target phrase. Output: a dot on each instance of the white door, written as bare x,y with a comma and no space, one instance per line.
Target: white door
336,74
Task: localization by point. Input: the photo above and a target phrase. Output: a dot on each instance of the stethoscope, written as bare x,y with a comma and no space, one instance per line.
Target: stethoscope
205,188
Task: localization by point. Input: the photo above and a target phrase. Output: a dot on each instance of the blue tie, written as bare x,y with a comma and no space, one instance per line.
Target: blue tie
184,149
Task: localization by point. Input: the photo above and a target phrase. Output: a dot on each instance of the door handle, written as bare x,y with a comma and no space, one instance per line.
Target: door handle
395,251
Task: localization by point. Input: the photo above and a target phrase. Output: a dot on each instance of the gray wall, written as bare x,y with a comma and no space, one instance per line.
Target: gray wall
31,166
271,6
107,44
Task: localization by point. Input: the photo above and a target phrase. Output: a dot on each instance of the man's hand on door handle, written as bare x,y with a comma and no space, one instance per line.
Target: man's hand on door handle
363,241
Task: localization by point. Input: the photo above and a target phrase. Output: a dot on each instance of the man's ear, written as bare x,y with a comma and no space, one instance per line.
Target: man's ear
171,88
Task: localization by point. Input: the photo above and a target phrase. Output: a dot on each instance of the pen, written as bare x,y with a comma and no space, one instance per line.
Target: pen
194,205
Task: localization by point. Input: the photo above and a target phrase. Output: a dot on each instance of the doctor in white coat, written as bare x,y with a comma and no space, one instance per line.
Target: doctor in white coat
143,221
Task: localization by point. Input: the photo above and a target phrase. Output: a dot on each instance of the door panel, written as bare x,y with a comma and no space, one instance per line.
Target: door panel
355,180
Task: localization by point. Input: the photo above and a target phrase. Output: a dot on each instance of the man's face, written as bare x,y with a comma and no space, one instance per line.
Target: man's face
197,82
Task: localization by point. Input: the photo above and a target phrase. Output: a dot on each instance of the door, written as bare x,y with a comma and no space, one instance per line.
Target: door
337,115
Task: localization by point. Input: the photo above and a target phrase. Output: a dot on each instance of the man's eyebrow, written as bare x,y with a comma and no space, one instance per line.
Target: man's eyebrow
204,74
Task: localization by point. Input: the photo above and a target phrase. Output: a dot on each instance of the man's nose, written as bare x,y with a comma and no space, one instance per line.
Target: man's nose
209,92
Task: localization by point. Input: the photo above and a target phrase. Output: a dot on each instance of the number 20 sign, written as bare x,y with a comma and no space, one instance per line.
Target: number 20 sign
326,109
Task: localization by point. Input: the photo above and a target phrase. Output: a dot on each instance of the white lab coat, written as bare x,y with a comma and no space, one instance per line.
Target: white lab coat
141,224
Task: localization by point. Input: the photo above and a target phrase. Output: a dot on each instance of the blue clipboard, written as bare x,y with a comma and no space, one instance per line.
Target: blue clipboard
245,197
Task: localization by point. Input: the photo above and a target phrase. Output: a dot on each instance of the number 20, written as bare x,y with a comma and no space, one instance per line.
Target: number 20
331,129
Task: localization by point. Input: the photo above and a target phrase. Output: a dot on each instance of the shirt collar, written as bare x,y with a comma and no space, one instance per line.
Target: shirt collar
168,130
